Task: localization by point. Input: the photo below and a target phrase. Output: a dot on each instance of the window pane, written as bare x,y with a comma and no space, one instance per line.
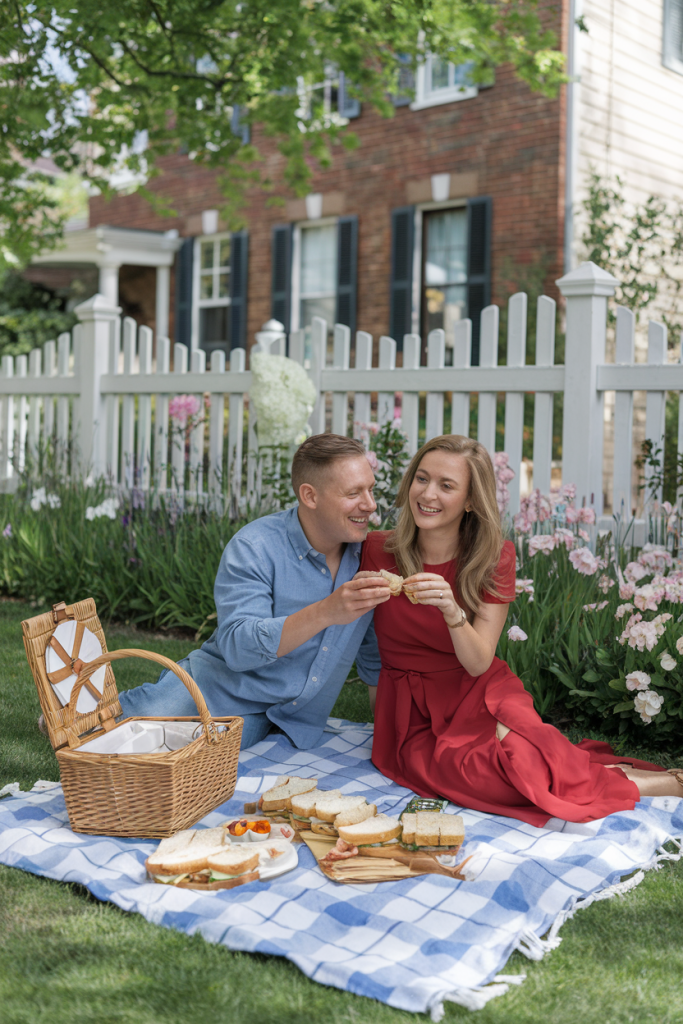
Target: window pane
207,255
223,286
443,308
317,307
446,248
319,260
439,73
206,286
225,253
213,325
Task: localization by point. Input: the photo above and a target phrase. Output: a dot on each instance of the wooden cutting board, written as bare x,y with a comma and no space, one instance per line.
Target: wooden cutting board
380,864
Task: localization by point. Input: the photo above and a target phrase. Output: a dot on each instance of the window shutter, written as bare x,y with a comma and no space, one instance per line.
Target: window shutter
672,55
239,270
347,263
183,293
346,105
478,265
238,127
281,294
401,295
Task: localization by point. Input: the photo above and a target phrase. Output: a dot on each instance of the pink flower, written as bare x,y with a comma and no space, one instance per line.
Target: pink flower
525,587
648,704
595,607
605,583
586,515
375,519
565,537
634,571
622,609
637,681
373,460
679,645
584,561
522,524
515,633
182,407
544,542
654,556
646,598
572,515
626,591
640,634
568,491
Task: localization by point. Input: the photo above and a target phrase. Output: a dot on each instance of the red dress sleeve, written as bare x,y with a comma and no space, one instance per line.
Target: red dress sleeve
504,576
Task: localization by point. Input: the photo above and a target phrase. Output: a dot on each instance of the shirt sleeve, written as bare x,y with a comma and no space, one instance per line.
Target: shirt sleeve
248,635
368,660
504,576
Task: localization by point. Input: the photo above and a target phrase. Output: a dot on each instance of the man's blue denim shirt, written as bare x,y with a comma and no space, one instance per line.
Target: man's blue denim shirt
267,572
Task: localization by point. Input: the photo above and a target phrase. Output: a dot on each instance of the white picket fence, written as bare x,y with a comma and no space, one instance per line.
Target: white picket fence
102,401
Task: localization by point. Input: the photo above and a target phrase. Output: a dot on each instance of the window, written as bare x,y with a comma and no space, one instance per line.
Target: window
444,270
439,81
315,261
327,102
672,42
212,288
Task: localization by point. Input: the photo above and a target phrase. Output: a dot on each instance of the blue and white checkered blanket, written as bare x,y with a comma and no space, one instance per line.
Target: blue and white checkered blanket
411,944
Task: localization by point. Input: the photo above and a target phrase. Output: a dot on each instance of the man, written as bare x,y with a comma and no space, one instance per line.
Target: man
291,618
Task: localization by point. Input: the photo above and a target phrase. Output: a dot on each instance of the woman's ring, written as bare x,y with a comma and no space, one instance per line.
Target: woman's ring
441,595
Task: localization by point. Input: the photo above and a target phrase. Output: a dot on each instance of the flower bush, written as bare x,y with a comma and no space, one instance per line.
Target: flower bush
283,397
604,625
387,453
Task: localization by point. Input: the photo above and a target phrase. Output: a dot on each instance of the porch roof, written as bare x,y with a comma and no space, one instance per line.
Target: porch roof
106,246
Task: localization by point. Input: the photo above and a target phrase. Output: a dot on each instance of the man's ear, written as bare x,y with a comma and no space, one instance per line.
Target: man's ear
308,496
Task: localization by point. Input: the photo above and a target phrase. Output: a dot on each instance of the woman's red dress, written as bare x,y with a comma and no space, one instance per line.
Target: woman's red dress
435,725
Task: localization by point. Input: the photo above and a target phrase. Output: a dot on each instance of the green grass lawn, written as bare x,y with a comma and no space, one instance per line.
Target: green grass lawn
68,959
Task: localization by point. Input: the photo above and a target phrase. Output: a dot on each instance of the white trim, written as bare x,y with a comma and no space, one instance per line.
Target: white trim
425,96
198,303
420,210
295,282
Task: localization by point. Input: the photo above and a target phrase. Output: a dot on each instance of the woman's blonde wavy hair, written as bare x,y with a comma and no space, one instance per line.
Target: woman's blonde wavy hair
481,538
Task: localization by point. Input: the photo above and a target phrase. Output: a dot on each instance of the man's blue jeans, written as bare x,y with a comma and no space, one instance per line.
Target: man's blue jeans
170,698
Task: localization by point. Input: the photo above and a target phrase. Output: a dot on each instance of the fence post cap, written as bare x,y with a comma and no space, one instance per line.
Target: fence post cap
97,306
588,279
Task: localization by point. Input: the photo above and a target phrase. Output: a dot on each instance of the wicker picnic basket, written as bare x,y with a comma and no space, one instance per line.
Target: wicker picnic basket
141,795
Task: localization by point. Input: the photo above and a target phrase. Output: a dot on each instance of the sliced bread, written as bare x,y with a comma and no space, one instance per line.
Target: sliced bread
189,854
355,814
233,861
451,830
437,829
279,797
378,829
304,804
395,582
409,823
328,807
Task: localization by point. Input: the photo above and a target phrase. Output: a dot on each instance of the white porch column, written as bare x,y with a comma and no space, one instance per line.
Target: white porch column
109,283
163,301
586,290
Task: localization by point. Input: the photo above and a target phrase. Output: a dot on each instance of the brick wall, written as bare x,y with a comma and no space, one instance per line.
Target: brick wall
507,143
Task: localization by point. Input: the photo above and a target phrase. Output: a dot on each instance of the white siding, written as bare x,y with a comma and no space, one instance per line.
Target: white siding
630,109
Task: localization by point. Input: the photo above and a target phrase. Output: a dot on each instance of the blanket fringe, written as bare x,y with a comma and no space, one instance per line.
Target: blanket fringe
474,998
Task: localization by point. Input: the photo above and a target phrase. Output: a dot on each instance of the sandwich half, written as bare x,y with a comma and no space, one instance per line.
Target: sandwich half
432,830
379,830
183,857
230,864
395,582
279,798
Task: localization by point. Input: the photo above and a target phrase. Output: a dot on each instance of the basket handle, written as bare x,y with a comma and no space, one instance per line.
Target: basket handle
88,670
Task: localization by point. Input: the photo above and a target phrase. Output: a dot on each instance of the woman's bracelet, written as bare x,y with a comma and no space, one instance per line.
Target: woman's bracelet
457,625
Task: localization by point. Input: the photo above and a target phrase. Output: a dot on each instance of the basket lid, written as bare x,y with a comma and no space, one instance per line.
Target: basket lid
58,645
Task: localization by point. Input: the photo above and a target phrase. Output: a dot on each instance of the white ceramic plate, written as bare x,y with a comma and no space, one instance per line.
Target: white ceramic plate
280,865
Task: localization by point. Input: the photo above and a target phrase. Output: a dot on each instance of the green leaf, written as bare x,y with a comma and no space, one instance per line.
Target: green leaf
618,684
626,705
591,676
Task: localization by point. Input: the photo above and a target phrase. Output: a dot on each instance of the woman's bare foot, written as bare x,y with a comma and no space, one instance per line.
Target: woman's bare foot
653,783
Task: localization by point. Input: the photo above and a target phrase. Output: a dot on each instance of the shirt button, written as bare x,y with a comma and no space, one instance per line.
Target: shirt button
300,557
293,702
324,648
315,679
323,571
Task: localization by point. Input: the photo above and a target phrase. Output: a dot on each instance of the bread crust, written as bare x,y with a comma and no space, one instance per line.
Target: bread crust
233,862
355,815
279,797
355,835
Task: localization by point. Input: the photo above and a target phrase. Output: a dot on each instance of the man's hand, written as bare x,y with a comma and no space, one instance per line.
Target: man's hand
353,599
344,605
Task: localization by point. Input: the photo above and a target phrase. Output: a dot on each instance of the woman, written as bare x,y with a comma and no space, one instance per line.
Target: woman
451,719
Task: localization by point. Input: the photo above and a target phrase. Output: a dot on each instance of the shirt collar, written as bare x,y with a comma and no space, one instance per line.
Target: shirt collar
300,542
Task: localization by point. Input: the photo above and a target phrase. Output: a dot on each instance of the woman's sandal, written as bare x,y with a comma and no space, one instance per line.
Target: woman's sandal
677,774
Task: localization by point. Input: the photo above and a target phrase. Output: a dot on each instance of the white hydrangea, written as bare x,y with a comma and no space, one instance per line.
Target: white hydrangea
283,398
108,508
648,704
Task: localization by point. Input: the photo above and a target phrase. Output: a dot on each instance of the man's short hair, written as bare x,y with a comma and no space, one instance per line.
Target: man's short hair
315,456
